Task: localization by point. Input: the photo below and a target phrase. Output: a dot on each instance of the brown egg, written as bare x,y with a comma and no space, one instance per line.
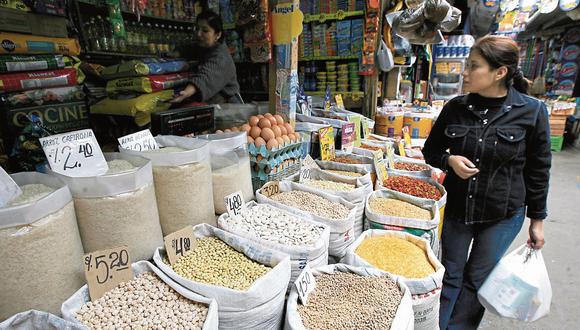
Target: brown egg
277,131
280,141
264,122
279,119
255,132
258,142
267,134
250,140
292,137
254,120
219,131
283,129
259,158
246,128
286,139
227,130
268,115
273,121
297,136
235,129
260,116
289,128
272,144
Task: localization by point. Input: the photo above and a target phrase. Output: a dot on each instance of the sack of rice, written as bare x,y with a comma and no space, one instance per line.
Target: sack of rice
150,301
348,297
183,182
405,257
40,247
118,208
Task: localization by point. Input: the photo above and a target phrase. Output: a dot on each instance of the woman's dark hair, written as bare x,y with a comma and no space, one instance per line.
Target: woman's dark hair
213,20
501,51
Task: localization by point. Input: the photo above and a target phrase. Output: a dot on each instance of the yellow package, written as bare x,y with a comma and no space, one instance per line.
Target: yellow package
139,107
15,43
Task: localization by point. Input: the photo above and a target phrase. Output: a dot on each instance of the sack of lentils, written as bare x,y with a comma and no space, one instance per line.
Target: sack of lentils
408,258
247,280
347,170
347,297
350,162
183,182
40,246
387,207
119,207
305,241
410,167
150,301
333,211
352,189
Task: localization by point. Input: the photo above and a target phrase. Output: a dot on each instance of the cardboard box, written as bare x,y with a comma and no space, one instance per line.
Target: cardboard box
18,21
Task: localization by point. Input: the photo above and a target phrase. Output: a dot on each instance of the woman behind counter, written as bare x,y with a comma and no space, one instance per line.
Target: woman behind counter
215,80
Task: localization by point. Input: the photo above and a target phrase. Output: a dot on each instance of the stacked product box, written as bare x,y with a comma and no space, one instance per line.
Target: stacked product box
343,36
357,31
306,41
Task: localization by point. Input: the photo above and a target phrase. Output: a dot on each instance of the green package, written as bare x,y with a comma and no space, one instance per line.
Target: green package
20,63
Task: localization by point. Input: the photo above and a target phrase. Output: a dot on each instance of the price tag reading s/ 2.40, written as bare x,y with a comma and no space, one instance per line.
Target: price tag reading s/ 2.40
140,141
270,189
235,204
9,190
305,284
177,244
105,269
74,154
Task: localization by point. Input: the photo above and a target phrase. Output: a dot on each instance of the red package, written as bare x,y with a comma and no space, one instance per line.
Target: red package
15,82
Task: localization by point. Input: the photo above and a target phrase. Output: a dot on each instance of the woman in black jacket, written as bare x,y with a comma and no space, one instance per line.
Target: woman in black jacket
494,144
215,80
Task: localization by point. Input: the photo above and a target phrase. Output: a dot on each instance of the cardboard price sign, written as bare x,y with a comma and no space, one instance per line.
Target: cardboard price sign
306,169
407,136
357,120
327,151
270,189
235,204
339,101
348,136
140,141
305,284
402,149
9,190
177,244
380,167
391,155
106,269
75,154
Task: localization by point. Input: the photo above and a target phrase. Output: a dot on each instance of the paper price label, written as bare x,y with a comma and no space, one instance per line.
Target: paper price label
348,136
235,204
407,136
339,101
270,189
105,269
309,162
177,244
140,141
391,155
8,188
357,129
327,151
380,167
305,174
402,149
366,128
75,154
305,284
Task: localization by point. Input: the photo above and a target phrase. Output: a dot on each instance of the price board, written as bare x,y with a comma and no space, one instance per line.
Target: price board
140,141
74,154
270,189
235,204
327,151
9,190
305,284
106,269
177,244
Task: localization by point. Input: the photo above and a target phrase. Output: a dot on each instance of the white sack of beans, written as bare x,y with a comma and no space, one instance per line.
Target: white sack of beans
403,221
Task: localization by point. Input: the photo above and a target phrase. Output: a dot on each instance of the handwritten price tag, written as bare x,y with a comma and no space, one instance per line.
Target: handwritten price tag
74,154
402,149
407,136
235,204
391,155
8,188
306,169
271,188
177,244
380,167
339,101
305,284
140,141
106,269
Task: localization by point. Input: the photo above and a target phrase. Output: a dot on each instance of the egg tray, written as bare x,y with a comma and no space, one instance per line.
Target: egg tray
264,152
274,157
275,161
259,179
278,167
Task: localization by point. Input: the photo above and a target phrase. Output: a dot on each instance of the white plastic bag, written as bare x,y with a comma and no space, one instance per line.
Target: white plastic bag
518,287
37,320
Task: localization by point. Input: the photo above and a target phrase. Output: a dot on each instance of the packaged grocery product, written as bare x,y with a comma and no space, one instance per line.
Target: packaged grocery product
38,236
147,84
144,67
419,124
389,123
15,43
139,107
44,96
13,82
20,63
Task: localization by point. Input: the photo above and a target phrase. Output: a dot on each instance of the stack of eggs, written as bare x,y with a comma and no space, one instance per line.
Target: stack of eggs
269,130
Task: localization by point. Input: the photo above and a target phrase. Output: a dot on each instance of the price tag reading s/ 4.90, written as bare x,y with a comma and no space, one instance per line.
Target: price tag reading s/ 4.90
9,190
235,204
270,189
305,284
177,244
140,141
105,269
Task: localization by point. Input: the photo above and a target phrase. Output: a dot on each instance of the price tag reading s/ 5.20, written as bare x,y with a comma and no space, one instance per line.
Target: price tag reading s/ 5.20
235,204
270,189
305,284
177,244
105,269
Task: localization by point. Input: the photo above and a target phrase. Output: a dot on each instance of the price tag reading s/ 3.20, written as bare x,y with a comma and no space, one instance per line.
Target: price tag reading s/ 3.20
74,154
270,189
235,204
9,190
105,269
305,284
177,244
140,141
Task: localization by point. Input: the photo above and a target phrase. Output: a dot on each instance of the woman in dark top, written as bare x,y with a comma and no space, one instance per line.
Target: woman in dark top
215,80
494,144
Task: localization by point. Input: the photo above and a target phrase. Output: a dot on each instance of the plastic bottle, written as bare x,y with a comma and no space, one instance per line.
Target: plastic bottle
152,39
92,34
101,33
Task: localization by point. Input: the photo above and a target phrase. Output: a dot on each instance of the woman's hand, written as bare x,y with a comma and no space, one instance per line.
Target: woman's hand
462,166
536,240
187,92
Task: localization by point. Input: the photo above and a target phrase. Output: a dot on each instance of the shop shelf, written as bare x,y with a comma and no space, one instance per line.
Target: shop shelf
126,12
345,94
339,15
124,55
328,58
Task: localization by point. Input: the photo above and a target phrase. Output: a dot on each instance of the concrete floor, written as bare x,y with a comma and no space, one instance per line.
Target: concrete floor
562,249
